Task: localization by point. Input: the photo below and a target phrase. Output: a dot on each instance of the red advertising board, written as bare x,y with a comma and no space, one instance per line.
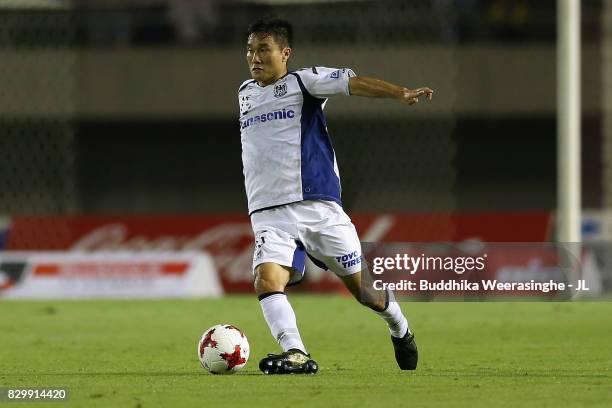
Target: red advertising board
229,239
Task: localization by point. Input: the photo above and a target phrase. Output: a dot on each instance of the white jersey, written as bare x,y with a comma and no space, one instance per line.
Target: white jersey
286,151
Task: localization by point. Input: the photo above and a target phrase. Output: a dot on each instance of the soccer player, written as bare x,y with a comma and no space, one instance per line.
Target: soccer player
293,189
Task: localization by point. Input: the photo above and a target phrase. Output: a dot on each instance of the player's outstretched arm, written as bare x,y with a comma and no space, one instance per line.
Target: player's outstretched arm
376,88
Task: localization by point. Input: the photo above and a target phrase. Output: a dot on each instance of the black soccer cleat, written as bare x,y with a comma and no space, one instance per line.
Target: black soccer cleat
290,362
406,353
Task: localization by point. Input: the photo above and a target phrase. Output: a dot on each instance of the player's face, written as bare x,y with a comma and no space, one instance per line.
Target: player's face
267,60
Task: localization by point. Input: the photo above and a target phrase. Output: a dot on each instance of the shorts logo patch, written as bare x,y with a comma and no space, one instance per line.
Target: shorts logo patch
260,240
335,74
350,259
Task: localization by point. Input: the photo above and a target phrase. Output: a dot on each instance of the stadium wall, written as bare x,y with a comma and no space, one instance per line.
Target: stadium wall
178,83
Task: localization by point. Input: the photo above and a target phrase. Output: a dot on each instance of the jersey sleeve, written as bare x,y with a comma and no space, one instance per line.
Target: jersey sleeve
323,82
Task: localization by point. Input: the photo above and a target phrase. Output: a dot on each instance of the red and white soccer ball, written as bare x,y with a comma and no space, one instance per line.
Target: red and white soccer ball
223,349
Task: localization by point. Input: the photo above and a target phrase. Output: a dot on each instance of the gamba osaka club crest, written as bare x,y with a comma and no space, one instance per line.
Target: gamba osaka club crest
280,89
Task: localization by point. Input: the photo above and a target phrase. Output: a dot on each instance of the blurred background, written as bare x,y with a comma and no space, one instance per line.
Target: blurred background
118,122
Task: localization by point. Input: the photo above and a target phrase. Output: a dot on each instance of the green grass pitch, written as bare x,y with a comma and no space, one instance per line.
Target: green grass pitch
142,354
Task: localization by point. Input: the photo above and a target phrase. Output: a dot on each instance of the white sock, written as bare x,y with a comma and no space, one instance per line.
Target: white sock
281,319
398,324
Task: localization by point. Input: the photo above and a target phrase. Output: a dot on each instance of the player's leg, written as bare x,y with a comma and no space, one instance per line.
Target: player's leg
332,240
270,282
278,261
385,306
383,303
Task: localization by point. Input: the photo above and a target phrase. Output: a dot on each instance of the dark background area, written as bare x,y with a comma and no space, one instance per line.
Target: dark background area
133,164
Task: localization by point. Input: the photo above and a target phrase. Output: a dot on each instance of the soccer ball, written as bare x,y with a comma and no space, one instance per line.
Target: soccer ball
223,349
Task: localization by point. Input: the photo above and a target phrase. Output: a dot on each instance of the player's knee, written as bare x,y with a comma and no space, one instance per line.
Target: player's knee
263,285
270,278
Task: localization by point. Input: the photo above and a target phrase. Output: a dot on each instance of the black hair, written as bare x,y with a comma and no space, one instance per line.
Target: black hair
280,29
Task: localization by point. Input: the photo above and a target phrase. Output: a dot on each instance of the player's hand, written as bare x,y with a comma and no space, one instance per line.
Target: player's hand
411,96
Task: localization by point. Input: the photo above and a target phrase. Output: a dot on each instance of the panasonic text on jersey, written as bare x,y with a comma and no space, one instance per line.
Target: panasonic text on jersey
267,117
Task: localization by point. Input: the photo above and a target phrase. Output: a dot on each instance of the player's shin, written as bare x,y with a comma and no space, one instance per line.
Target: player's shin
392,314
281,319
382,303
